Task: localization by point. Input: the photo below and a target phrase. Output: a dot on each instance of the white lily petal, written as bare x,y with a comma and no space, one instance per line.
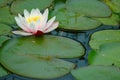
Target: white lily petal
33,27
25,24
45,15
20,16
38,12
43,20
21,24
22,33
33,12
52,27
26,14
50,22
38,22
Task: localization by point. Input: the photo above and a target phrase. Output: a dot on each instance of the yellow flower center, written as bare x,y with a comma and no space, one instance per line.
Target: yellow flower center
33,19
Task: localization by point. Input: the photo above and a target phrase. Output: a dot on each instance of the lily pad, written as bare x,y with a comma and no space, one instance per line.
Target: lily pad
105,36
5,16
35,67
92,8
97,73
113,20
3,39
108,54
71,21
4,2
40,53
47,45
19,5
114,5
3,72
5,29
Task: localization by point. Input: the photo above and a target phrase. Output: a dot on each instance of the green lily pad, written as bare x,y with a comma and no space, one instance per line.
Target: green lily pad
97,73
5,29
4,2
47,45
114,5
35,67
108,54
3,72
113,20
5,16
19,5
36,56
92,8
73,21
105,36
3,39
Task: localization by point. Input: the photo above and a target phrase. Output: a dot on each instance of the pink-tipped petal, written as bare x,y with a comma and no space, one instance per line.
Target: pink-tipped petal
33,27
52,27
49,23
21,24
25,24
44,19
45,15
22,33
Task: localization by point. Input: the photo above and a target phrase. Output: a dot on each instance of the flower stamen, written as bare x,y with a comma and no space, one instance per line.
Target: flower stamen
33,19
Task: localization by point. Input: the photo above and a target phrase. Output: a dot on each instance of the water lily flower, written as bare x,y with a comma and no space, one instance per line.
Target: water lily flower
35,23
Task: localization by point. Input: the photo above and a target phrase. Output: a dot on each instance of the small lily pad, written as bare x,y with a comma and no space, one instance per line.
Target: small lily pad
72,21
19,5
5,29
113,20
5,16
92,8
108,54
97,73
102,37
3,72
40,53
